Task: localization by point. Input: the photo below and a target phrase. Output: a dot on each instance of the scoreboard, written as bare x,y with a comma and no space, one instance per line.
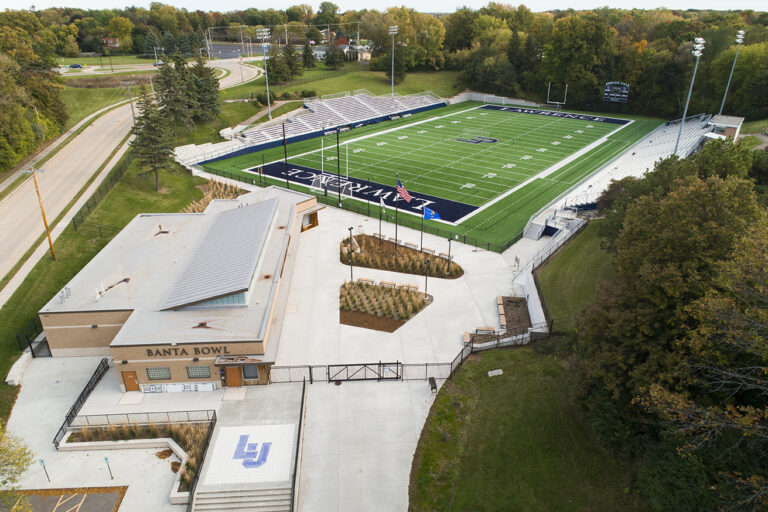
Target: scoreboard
616,92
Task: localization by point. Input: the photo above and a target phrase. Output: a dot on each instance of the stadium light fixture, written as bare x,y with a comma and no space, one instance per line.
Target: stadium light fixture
698,48
263,34
739,40
393,30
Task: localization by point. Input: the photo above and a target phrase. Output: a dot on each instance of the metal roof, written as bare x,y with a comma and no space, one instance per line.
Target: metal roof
726,120
226,259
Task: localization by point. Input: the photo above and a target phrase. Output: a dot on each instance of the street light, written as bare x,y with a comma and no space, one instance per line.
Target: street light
351,277
263,33
393,31
34,172
698,47
739,40
426,275
158,48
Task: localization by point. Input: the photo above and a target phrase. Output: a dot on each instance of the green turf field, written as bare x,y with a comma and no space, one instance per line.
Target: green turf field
535,159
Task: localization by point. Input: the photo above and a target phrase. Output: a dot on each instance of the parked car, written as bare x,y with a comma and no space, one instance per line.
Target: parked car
75,66
158,63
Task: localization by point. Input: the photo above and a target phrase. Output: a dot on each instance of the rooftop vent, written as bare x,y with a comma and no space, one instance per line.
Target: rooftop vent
202,325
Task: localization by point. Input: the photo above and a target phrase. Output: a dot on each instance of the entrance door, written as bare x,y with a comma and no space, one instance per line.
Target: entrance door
131,382
233,377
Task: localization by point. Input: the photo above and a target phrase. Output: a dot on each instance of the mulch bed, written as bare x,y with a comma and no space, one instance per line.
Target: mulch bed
389,251
516,311
368,321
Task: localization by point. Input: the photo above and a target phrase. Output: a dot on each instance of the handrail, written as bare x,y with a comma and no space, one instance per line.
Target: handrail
298,444
101,369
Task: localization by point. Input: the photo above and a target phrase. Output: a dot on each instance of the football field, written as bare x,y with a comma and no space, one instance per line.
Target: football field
483,168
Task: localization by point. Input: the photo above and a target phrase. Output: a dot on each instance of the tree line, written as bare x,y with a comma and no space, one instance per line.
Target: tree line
673,352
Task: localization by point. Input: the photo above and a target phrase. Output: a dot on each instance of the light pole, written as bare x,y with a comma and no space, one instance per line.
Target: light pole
426,275
158,48
263,33
698,47
393,31
351,276
739,40
34,172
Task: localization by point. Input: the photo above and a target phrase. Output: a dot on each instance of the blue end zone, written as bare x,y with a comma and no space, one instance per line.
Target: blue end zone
552,113
451,211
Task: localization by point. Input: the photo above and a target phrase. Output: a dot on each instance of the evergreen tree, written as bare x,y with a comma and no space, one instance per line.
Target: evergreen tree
334,56
153,145
308,58
279,72
292,60
206,91
176,93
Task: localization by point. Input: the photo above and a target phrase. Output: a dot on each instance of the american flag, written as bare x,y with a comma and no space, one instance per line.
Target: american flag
402,192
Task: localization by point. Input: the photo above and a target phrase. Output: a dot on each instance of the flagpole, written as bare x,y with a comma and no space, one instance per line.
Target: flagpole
380,235
338,165
368,200
397,177
322,159
347,158
285,156
422,231
261,171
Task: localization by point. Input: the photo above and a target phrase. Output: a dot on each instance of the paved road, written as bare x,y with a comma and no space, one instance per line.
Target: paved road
69,170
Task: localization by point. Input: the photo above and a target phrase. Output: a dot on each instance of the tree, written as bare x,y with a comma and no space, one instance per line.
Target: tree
334,56
729,419
15,459
327,14
206,91
278,69
458,29
153,145
292,60
121,27
176,93
308,56
314,34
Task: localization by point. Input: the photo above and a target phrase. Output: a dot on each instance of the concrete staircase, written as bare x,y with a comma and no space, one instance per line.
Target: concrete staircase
534,231
252,500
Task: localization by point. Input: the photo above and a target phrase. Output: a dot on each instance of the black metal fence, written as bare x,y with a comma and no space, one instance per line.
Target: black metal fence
101,369
355,207
96,230
26,337
143,418
100,193
201,461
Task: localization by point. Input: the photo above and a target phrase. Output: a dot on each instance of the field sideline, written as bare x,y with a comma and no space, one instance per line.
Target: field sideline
499,167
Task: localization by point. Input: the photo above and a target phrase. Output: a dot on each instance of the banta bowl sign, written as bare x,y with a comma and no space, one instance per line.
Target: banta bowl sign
214,350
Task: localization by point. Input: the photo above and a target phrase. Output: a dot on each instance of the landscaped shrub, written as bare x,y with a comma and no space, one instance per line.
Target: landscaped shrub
381,254
399,304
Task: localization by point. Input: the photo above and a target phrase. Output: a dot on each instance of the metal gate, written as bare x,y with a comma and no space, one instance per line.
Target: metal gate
365,371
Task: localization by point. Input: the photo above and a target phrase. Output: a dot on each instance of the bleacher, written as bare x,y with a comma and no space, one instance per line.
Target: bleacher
642,157
320,115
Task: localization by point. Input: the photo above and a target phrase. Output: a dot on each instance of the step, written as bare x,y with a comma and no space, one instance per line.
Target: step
242,507
266,500
245,492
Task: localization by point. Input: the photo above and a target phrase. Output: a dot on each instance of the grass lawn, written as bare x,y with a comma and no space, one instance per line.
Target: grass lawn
750,141
442,83
133,194
516,442
81,102
569,280
94,61
755,126
231,114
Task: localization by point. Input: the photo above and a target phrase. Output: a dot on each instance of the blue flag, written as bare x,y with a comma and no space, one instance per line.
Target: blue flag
430,214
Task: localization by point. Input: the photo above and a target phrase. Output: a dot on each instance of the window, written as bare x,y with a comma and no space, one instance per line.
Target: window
251,372
236,299
161,373
199,372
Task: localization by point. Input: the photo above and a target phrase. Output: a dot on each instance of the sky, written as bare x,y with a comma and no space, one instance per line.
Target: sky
419,5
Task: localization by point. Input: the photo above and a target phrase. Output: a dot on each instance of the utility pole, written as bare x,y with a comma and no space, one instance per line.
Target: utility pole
393,31
739,40
698,47
34,172
130,97
242,44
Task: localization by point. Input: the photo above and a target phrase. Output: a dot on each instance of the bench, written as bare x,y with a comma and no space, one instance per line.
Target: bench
503,322
428,250
468,338
408,287
485,330
412,246
365,280
394,241
501,309
499,300
445,256
387,284
433,384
